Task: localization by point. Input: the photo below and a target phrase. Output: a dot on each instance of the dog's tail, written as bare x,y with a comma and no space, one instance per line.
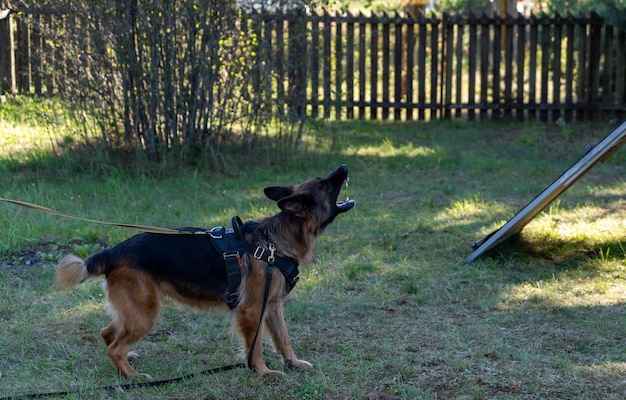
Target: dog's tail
72,270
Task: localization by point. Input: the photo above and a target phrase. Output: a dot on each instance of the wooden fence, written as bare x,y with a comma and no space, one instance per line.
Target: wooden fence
403,68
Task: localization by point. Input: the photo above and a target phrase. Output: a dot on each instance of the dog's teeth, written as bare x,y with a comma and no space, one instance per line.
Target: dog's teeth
345,181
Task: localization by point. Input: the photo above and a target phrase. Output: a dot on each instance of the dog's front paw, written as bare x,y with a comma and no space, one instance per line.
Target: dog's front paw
301,364
142,377
264,371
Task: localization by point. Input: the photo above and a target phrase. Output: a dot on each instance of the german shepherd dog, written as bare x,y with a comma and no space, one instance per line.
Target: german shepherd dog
145,268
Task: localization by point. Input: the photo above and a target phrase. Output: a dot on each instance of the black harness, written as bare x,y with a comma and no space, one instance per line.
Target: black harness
232,245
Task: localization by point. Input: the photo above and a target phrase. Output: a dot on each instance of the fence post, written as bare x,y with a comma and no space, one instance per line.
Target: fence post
7,53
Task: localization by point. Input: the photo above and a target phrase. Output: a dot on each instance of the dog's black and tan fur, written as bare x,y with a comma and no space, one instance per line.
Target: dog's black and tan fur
143,269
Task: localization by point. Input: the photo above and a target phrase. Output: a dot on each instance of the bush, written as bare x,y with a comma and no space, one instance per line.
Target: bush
162,76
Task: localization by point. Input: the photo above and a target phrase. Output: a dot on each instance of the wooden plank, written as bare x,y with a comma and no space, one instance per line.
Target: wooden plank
7,54
532,71
339,92
266,69
484,68
256,68
410,65
279,62
620,74
495,77
315,66
434,70
62,73
326,33
374,69
459,67
350,46
471,70
386,64
448,40
48,54
421,68
36,56
508,69
546,48
22,56
582,91
595,60
556,70
521,52
569,70
297,73
607,90
397,69
362,71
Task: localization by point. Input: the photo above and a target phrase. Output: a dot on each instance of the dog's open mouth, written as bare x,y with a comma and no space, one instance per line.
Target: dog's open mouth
337,179
347,204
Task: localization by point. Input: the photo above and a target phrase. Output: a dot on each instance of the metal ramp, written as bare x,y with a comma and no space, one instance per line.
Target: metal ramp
594,154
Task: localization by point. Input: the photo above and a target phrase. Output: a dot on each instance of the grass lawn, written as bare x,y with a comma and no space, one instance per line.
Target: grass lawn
388,310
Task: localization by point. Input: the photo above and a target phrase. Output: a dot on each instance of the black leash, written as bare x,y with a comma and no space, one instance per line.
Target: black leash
127,386
266,295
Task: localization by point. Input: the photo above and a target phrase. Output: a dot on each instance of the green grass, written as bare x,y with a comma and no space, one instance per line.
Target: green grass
388,310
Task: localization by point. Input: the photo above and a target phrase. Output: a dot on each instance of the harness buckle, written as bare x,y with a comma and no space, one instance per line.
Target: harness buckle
271,258
215,235
231,255
258,252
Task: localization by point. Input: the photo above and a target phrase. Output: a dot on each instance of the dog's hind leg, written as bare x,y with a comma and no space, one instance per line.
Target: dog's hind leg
275,322
134,305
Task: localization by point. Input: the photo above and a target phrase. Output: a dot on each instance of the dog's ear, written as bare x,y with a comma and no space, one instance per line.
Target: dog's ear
278,192
296,204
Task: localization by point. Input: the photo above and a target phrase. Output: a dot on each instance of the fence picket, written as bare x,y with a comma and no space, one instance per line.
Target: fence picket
350,46
7,76
397,68
521,68
471,65
569,69
620,73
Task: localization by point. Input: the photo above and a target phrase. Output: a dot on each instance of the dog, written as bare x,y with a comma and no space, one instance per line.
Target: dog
147,267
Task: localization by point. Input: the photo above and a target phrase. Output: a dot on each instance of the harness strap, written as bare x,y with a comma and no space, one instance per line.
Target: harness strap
235,246
233,262
237,224
287,265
